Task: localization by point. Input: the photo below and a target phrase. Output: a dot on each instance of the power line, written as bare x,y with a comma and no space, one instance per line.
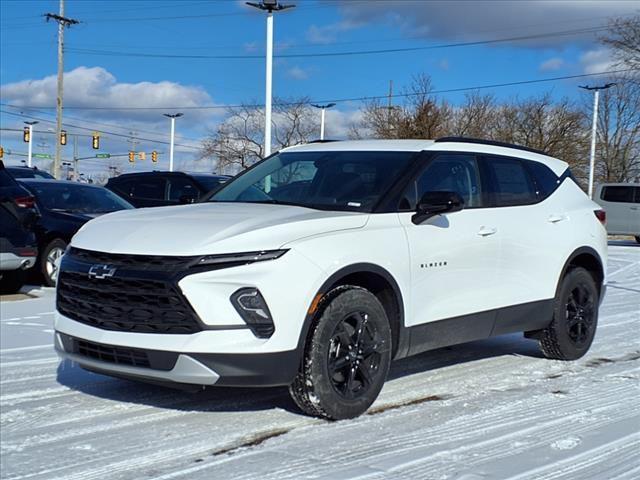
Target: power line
337,54
339,100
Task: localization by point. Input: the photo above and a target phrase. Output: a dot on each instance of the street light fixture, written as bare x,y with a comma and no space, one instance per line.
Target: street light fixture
322,109
172,117
269,6
594,130
30,148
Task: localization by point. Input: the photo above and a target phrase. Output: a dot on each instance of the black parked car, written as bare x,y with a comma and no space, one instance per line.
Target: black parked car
11,189
64,207
29,172
156,189
18,247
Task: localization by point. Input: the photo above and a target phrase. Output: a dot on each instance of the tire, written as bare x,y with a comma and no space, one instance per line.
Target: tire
575,317
638,239
52,252
12,281
337,387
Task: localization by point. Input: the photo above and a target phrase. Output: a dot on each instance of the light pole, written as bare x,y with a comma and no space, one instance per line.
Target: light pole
594,131
322,109
172,117
269,6
30,148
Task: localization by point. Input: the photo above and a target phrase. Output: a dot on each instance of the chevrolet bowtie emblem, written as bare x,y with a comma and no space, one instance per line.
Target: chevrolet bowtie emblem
101,271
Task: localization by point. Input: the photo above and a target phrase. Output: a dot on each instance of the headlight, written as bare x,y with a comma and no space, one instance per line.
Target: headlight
241,258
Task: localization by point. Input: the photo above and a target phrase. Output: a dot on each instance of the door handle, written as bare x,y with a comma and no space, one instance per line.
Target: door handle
486,231
556,218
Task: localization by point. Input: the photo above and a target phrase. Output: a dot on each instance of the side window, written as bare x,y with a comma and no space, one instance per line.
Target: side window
546,181
151,188
179,187
512,184
620,194
447,173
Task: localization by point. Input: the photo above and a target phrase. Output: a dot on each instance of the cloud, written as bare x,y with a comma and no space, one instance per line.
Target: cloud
555,63
459,21
597,61
329,33
297,73
97,87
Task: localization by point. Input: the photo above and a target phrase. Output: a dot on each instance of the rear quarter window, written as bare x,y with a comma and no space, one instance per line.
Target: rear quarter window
619,194
545,180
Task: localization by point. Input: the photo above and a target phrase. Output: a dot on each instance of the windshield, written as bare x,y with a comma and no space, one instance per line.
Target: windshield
325,180
29,173
75,198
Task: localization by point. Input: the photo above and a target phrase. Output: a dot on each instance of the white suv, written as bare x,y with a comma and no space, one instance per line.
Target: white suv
319,265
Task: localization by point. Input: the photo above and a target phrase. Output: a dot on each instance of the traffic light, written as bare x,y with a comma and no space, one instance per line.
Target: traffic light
142,156
1,152
132,156
26,135
63,137
95,144
154,156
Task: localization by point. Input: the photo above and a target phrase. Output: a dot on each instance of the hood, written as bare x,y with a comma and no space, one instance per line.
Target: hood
209,228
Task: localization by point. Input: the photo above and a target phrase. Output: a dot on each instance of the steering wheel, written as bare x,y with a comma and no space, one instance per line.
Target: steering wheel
253,194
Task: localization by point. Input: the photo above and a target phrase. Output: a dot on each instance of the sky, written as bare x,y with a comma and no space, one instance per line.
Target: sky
129,61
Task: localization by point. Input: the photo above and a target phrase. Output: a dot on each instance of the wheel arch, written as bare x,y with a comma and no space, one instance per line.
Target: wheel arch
589,259
378,281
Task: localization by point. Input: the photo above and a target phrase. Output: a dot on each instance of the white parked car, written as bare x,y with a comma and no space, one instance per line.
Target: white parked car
621,201
320,265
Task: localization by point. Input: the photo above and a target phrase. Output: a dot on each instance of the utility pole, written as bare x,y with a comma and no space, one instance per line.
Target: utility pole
63,22
76,174
172,117
322,110
594,130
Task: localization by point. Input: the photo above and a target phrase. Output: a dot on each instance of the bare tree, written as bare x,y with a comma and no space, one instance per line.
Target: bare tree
476,117
238,141
623,38
618,150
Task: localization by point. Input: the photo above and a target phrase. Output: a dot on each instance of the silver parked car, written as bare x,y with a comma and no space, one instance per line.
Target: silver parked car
621,201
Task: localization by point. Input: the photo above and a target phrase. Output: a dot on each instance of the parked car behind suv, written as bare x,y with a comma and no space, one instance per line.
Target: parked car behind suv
156,189
621,201
319,265
65,207
29,172
18,249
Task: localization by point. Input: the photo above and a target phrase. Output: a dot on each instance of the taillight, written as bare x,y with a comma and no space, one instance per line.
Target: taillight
601,215
25,202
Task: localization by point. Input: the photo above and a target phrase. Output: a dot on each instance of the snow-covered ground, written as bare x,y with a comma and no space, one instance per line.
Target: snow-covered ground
485,410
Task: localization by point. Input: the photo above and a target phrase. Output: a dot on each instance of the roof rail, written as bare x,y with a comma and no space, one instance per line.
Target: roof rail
321,141
495,143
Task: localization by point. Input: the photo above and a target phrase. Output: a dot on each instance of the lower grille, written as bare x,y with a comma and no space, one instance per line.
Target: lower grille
125,304
110,354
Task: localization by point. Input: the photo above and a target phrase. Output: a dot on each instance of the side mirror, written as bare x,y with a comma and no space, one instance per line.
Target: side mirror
437,203
186,199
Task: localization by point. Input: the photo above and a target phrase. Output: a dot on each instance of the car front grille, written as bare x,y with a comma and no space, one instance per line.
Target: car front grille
136,262
131,300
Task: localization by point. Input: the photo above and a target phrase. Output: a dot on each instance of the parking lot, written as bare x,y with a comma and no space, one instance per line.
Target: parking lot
488,409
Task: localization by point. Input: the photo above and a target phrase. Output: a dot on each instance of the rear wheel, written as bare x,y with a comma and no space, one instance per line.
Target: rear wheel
575,317
12,281
346,358
638,239
50,261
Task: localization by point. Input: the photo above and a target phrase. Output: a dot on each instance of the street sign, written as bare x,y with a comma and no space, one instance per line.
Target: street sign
103,155
42,155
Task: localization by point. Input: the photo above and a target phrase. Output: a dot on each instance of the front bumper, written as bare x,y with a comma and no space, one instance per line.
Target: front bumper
173,368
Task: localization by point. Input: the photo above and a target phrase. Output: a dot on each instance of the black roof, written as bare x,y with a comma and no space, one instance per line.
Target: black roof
494,143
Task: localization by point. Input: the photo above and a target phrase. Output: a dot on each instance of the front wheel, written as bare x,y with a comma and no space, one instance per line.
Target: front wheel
575,317
50,261
346,358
